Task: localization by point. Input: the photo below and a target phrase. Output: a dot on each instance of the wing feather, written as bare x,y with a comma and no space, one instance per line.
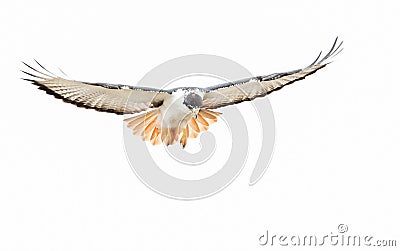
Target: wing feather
119,99
251,88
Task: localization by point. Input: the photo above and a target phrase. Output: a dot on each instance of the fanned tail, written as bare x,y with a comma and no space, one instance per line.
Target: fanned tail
195,126
146,126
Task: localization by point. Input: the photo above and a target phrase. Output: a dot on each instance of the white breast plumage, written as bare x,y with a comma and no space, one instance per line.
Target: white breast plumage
173,112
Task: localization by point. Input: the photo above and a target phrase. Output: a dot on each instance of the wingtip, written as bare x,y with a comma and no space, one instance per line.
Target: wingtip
335,50
62,72
39,74
36,61
29,80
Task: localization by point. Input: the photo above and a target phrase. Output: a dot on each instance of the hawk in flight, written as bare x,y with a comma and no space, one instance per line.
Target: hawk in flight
168,116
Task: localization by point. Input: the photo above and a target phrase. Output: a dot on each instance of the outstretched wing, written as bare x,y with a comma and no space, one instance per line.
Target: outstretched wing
251,88
119,99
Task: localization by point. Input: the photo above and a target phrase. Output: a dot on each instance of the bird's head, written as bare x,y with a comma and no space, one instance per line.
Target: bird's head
193,101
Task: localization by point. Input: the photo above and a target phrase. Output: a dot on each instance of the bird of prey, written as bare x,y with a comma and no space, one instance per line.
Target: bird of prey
168,115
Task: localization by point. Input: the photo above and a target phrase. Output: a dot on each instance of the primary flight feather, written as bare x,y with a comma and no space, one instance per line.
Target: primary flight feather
172,115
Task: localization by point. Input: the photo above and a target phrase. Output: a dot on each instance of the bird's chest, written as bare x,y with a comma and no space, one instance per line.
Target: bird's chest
174,113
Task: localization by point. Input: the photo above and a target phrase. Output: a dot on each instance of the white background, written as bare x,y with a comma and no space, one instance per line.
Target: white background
65,183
